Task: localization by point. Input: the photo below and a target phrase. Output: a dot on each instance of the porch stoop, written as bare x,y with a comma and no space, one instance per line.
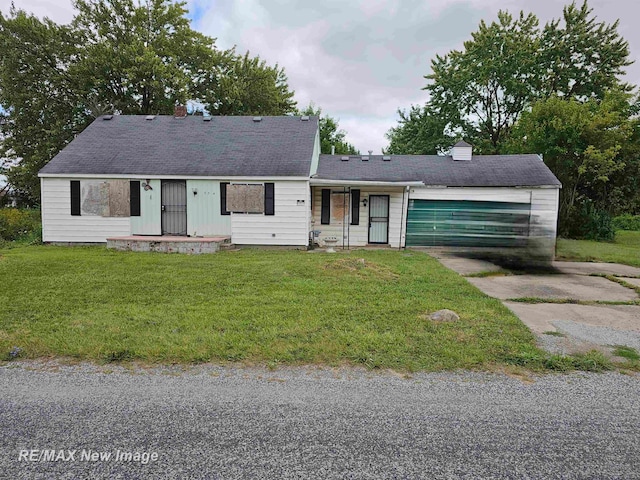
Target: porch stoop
168,244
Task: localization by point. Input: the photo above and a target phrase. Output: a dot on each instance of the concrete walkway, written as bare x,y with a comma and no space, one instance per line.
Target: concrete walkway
569,327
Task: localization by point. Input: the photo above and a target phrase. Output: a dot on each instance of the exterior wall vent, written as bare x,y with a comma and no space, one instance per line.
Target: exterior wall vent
257,119
462,151
150,117
386,158
344,159
365,158
305,118
107,117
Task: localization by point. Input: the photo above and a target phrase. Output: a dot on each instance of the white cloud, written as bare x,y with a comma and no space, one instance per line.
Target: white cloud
60,11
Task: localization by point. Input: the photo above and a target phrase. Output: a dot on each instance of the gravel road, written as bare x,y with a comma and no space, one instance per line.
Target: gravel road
227,422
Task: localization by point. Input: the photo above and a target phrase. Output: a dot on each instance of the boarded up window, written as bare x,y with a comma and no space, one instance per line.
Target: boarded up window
245,198
95,198
119,198
105,199
339,207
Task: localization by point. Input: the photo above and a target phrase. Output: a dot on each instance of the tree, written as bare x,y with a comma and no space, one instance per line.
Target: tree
583,144
41,96
420,132
116,56
480,92
248,86
486,86
330,133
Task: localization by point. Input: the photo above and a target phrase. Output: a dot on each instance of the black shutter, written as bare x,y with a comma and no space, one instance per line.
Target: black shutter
223,199
325,215
269,199
134,198
75,197
355,207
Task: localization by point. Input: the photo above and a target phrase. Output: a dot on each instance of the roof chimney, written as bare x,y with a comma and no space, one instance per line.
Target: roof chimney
180,111
462,151
333,149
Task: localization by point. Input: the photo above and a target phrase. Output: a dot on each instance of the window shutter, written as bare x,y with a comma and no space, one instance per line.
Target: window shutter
223,199
269,199
134,198
325,215
355,207
75,197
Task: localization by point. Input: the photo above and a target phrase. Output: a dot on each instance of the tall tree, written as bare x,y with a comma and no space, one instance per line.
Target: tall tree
481,91
583,144
419,132
489,83
116,56
330,133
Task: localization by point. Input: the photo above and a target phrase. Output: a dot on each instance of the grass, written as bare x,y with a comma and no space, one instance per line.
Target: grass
254,306
625,249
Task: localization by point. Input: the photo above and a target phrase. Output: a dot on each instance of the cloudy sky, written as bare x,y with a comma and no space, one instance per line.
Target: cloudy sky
359,60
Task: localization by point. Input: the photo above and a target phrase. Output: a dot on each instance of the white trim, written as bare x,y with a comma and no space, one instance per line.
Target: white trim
139,176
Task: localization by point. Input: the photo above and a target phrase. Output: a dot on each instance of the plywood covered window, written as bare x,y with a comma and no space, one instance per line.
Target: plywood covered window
245,198
101,198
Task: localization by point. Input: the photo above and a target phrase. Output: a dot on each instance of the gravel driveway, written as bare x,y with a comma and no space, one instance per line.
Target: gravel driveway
215,422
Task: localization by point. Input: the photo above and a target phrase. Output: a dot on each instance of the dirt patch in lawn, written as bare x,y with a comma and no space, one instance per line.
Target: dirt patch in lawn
360,266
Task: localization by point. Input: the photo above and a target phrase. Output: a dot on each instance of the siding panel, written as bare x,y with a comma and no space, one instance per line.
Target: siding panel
58,225
289,224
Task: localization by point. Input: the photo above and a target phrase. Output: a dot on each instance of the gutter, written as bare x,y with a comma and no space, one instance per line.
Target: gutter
329,183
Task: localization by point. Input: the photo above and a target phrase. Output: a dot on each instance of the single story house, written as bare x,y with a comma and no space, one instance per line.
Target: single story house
263,181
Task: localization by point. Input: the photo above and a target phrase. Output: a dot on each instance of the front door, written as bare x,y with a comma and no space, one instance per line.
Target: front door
174,207
378,218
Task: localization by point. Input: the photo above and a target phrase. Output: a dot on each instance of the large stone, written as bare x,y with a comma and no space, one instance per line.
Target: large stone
444,316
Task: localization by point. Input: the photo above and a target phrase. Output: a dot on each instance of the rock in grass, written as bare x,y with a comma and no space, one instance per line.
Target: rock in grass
444,316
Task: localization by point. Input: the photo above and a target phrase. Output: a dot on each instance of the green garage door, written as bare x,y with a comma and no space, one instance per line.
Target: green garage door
467,223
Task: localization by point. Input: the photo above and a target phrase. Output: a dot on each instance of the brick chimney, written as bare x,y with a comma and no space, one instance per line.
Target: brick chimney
180,111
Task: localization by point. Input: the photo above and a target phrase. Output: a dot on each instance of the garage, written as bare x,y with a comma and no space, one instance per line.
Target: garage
464,223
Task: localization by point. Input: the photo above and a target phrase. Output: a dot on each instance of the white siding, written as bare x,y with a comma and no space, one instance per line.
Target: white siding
58,225
289,225
358,235
544,212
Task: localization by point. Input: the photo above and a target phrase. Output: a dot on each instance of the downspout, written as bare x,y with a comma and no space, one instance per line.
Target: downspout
402,219
349,224
344,213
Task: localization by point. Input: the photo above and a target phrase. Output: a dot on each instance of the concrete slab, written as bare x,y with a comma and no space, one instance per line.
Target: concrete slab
589,268
632,281
575,287
544,317
467,266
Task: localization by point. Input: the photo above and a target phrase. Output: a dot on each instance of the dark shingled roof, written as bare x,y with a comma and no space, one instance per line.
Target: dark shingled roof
480,171
462,143
224,146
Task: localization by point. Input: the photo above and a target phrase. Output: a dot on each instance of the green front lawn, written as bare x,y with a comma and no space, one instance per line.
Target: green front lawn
625,249
255,306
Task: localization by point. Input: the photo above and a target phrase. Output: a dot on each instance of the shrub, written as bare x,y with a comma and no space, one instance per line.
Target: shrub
627,222
586,222
17,224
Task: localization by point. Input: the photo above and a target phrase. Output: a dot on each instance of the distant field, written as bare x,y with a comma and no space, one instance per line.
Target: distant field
254,306
625,249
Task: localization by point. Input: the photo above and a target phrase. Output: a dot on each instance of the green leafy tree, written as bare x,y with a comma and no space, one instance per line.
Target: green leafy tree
330,133
419,132
583,144
246,85
480,91
487,85
116,56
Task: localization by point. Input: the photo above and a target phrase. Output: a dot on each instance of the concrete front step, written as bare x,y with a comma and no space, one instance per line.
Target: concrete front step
191,245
